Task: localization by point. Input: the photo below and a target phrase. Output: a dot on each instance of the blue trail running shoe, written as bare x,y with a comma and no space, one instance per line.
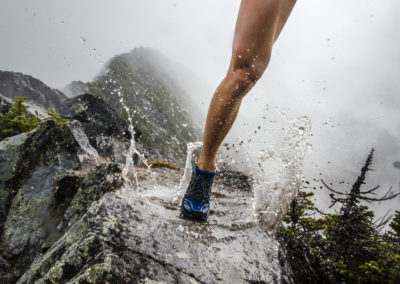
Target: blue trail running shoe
196,201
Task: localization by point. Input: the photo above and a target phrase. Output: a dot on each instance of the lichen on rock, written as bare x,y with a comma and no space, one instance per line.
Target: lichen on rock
40,183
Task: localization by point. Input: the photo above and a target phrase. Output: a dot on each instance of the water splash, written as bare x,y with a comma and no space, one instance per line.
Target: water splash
272,197
191,147
187,172
274,158
129,172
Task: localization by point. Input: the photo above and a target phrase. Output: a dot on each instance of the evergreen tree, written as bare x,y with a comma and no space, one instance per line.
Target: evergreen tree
56,116
395,226
17,120
342,247
302,238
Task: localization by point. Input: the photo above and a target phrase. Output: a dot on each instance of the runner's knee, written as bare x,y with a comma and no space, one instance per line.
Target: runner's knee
244,79
247,71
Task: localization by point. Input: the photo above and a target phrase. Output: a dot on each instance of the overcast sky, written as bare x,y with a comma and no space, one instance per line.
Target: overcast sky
337,61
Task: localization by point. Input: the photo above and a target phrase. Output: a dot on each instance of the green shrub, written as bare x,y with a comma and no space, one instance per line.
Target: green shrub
56,116
17,120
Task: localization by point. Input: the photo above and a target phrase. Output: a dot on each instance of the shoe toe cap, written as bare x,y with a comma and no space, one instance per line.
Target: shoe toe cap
195,209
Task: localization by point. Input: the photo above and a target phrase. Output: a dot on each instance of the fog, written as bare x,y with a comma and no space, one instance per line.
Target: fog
336,62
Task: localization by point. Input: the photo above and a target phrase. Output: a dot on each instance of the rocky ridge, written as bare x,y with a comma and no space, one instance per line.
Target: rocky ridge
70,216
158,105
132,81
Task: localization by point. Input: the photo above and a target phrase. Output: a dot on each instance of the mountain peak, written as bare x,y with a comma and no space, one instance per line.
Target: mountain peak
15,84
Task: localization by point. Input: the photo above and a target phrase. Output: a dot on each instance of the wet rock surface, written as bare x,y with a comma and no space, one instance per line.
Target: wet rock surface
49,179
30,163
134,236
107,132
5,104
72,218
9,152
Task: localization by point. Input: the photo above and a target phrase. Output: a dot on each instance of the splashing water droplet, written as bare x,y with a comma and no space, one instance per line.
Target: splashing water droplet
274,161
129,172
187,172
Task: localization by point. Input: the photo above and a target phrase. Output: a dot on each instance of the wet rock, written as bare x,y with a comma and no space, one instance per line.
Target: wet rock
64,190
34,162
97,117
5,104
100,180
9,153
234,180
66,187
108,133
125,238
6,275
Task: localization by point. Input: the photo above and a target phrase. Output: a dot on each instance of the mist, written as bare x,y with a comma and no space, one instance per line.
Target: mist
336,62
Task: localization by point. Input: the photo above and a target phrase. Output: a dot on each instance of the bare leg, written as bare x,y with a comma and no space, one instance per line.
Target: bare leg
258,25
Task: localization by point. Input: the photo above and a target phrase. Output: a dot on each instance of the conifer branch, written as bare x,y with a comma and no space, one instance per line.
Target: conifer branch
337,192
371,190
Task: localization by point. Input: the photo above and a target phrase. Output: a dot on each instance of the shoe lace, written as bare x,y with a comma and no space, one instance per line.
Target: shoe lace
200,188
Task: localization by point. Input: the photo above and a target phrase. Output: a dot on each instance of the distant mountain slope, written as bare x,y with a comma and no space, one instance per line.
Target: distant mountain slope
158,106
75,88
160,109
14,84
